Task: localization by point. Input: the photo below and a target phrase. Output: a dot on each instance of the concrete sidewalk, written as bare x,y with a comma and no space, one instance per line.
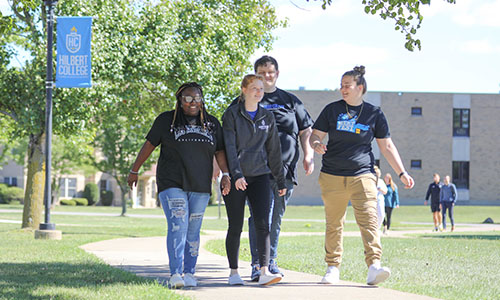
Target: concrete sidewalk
147,257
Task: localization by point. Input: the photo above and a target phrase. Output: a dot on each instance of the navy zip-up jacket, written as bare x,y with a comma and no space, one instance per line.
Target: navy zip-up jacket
448,193
252,146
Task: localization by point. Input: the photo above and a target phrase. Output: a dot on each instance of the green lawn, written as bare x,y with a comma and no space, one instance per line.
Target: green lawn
450,266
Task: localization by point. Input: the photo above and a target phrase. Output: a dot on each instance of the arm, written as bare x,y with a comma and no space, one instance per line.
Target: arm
396,197
454,193
273,149
220,156
229,130
427,194
308,161
390,152
315,141
143,155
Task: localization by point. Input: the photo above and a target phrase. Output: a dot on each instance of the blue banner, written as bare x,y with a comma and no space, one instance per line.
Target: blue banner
73,52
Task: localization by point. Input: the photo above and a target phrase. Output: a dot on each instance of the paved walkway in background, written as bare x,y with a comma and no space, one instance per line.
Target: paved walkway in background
147,257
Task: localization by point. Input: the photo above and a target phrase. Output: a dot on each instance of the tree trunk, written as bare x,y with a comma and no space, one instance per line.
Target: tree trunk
35,183
124,191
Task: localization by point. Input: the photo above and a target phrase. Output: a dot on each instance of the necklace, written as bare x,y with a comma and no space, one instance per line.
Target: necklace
349,115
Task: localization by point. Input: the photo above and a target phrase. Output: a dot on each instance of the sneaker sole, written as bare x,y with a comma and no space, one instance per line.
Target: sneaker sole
176,286
380,278
272,281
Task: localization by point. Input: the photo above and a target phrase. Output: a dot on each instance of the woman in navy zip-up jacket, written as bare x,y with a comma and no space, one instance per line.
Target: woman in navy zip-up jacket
254,153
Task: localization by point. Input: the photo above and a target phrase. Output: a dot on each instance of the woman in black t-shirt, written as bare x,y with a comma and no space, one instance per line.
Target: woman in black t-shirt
347,172
189,139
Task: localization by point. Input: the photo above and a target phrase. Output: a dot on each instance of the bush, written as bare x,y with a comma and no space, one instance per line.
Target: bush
91,193
81,201
11,194
106,198
70,202
3,188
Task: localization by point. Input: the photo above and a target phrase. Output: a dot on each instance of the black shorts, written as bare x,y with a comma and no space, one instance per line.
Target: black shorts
435,207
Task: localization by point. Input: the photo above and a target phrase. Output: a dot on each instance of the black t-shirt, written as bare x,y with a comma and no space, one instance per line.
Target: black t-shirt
349,149
186,155
291,117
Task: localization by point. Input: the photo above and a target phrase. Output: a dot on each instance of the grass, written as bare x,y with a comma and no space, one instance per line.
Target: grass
450,266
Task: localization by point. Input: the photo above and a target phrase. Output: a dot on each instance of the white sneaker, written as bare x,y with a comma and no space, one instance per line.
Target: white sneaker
189,280
235,279
377,274
332,275
269,279
175,282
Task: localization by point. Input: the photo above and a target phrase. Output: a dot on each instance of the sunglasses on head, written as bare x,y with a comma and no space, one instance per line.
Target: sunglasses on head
189,99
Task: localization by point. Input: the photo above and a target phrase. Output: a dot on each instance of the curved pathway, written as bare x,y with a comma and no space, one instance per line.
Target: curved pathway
147,257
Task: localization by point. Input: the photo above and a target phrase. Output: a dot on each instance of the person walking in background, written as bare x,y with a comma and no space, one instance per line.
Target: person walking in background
254,153
447,200
347,172
189,139
434,191
391,200
294,126
381,191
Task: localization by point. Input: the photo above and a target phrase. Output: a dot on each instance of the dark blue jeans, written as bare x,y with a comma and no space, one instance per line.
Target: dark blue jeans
278,206
448,206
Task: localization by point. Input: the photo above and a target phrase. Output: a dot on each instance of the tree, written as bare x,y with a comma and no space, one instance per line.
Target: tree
405,14
142,51
175,42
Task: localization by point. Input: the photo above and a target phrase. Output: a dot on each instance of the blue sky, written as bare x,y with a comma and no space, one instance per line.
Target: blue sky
460,47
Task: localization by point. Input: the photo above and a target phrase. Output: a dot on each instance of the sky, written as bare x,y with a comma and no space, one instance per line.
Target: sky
460,47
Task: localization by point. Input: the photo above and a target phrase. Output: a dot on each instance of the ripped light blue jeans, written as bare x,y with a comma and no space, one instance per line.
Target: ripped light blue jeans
184,212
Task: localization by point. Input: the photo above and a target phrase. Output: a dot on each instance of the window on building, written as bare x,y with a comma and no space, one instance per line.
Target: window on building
461,122
460,175
67,187
416,164
10,181
103,185
416,111
153,189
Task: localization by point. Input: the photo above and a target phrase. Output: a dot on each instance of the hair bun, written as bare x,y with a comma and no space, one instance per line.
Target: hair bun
360,70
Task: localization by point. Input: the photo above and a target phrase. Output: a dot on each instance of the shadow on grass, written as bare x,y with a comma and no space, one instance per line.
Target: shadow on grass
490,237
21,280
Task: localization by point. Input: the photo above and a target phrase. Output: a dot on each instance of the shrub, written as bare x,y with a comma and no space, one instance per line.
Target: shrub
106,198
81,201
91,193
11,194
70,202
3,188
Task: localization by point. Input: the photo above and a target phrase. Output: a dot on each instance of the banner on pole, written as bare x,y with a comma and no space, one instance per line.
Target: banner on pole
73,52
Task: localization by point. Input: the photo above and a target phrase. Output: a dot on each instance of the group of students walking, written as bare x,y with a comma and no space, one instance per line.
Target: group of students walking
443,198
257,150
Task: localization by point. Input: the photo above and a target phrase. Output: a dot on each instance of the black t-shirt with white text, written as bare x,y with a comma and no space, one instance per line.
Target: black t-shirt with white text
349,149
186,155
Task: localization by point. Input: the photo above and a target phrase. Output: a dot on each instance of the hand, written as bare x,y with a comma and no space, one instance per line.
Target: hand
425,202
132,180
408,181
397,206
225,185
319,148
241,184
308,165
282,192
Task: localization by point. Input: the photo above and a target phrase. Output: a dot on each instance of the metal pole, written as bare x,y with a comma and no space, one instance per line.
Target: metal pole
49,84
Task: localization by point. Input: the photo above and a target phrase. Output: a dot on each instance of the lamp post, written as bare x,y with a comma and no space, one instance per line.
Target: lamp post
49,85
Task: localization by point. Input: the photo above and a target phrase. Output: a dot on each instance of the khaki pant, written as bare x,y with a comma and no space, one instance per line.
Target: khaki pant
336,191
